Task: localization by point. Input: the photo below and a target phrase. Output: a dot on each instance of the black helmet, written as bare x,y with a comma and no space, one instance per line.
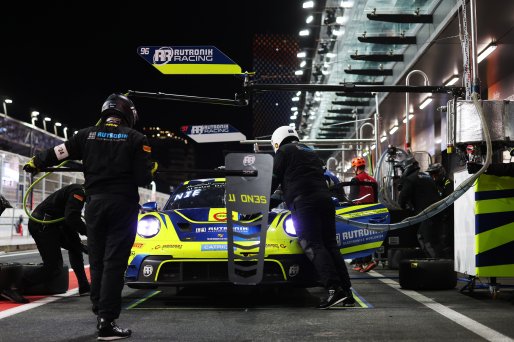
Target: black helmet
121,105
436,168
409,161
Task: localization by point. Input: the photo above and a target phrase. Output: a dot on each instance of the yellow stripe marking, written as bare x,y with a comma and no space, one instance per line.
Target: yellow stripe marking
489,183
494,238
495,205
506,271
362,213
241,308
180,69
193,221
144,299
351,209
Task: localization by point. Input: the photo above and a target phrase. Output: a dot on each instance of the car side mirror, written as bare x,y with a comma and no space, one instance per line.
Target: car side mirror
148,207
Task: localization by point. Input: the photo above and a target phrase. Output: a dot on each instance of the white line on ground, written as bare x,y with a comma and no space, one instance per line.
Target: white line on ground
464,321
42,301
18,254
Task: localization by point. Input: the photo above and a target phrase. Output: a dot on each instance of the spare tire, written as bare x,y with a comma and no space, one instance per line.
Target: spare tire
55,285
9,274
427,274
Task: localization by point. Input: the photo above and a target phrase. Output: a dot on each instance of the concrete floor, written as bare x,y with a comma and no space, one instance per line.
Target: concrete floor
385,312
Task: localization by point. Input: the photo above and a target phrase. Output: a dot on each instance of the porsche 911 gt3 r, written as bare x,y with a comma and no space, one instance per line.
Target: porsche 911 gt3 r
186,242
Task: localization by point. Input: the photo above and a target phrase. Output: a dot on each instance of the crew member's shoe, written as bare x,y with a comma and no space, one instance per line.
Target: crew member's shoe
369,266
109,331
349,302
84,290
357,267
335,296
13,296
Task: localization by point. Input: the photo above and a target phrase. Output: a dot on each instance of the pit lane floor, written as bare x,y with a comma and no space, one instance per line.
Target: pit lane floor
228,313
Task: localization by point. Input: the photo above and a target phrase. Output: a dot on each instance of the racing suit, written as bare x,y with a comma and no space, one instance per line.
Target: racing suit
366,194
360,191
300,172
50,238
116,160
417,192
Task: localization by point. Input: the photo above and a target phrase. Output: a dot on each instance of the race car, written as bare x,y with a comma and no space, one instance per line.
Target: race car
185,243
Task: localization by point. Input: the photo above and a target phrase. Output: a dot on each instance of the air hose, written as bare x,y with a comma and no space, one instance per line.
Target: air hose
29,190
439,206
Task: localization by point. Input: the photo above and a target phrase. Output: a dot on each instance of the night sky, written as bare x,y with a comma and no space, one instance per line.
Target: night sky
64,60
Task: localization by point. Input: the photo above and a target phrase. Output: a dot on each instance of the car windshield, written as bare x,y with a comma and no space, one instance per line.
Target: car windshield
200,195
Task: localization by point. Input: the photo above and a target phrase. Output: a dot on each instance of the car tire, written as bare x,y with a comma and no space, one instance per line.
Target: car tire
427,274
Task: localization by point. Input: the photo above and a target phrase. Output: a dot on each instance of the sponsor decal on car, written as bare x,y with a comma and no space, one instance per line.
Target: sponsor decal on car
173,246
220,216
360,236
294,270
220,229
147,270
213,248
137,245
275,245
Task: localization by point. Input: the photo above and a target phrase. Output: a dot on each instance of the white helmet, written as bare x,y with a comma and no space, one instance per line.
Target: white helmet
282,133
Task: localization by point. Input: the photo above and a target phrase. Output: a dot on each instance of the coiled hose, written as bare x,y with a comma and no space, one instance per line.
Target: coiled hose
29,190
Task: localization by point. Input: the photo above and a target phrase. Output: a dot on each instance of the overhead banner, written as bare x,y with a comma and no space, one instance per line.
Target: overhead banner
213,133
187,60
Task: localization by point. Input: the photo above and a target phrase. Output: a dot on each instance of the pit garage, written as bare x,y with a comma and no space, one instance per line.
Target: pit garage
393,83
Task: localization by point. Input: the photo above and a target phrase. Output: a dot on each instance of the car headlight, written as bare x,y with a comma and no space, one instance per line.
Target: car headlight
148,226
289,226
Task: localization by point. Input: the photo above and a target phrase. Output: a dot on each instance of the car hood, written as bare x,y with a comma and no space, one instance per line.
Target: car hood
204,224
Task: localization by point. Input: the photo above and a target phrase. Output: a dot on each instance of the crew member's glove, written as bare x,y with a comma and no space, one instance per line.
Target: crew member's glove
155,166
473,167
31,167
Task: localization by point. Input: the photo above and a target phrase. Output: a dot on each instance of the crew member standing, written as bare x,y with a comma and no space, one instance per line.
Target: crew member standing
50,238
417,192
299,171
116,160
362,194
445,189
